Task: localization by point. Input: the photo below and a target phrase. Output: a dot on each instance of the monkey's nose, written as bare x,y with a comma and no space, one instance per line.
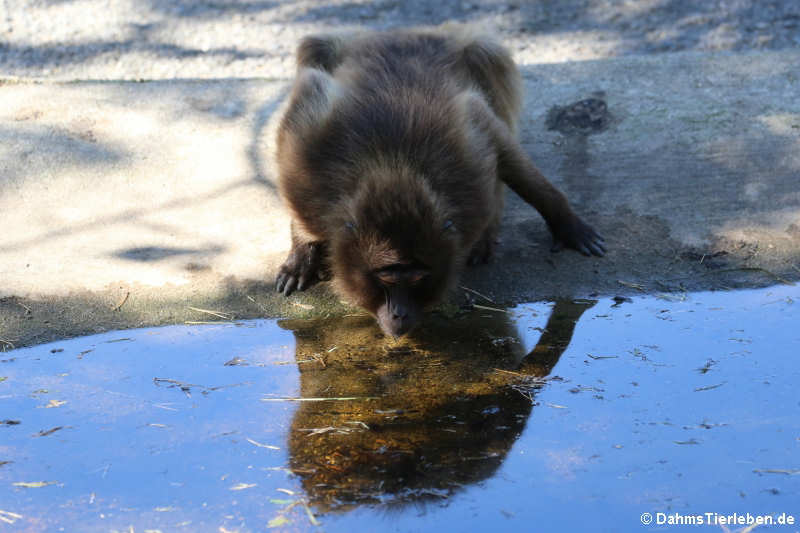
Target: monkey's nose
399,315
399,325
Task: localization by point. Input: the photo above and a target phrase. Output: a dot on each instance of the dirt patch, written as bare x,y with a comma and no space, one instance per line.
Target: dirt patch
584,117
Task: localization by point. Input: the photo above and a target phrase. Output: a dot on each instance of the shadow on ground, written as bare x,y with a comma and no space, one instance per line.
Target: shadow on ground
252,38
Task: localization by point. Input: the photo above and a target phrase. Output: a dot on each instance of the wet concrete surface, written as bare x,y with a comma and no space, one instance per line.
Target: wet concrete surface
548,416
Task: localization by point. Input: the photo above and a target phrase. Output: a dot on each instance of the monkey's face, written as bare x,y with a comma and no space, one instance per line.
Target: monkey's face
396,294
395,290
393,250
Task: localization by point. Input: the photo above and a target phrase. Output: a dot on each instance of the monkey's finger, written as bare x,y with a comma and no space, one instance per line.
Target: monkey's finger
582,249
557,246
280,282
291,284
305,282
598,248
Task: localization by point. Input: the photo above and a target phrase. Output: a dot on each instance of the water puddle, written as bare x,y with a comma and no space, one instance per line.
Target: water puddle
554,415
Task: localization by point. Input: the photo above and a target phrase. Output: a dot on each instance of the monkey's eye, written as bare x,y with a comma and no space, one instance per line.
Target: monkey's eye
388,277
416,276
392,276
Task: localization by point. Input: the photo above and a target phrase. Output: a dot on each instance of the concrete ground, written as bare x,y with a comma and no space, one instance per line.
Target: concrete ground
131,203
166,39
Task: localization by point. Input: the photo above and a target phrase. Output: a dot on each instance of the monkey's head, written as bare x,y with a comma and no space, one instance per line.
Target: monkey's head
395,253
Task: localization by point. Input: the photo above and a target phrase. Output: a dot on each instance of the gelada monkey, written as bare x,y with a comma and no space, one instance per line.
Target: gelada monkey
393,155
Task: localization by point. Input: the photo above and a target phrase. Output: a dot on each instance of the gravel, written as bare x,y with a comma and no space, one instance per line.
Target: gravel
159,39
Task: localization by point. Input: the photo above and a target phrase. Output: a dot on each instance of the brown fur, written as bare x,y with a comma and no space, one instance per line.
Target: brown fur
392,156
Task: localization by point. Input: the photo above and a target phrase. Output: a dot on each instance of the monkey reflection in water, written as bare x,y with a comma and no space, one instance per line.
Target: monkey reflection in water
436,411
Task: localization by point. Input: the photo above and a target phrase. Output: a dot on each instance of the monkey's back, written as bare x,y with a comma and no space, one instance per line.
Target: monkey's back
392,101
445,58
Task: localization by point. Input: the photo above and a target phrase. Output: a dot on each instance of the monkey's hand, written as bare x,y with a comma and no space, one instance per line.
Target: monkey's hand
302,269
482,251
576,234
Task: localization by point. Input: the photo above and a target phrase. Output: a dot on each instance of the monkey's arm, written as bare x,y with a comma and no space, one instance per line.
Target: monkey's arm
312,99
521,175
